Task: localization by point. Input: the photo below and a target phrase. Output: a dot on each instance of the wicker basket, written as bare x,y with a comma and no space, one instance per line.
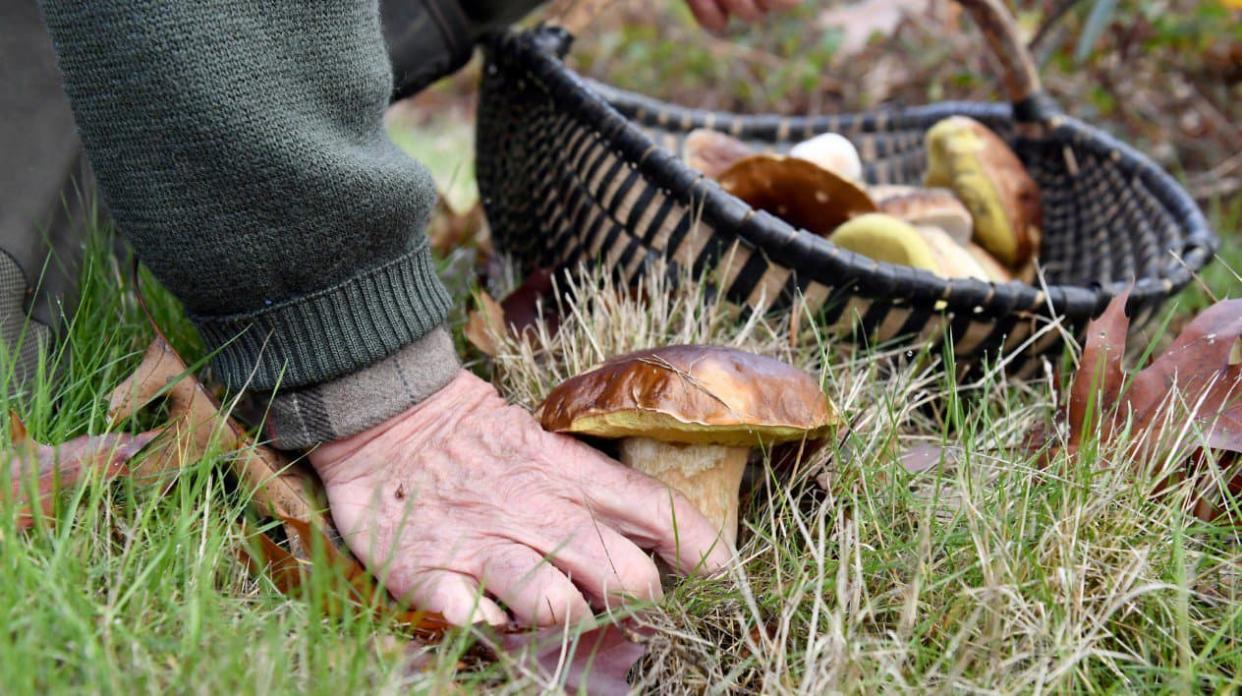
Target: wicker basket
574,171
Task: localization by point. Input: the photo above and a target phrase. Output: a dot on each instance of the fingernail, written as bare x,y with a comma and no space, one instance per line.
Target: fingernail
718,558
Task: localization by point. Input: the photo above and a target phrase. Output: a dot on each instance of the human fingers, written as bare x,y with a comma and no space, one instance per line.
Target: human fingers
709,14
746,10
657,517
536,592
455,595
771,5
603,563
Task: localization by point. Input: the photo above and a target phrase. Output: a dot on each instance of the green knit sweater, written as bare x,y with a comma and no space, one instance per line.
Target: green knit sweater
240,147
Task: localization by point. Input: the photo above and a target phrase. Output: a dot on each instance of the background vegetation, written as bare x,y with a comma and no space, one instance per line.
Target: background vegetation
989,573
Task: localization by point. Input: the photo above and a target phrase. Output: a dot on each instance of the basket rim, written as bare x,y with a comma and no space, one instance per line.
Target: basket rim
616,116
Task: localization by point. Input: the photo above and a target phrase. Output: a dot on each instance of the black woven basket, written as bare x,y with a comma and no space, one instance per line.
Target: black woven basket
574,171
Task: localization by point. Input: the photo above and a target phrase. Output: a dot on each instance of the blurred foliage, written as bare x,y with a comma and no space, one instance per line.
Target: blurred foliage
1165,75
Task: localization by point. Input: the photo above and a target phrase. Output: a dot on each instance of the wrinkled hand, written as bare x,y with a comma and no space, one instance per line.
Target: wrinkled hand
713,15
463,491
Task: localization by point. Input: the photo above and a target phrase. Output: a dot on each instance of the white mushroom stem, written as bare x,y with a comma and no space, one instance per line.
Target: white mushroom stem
708,475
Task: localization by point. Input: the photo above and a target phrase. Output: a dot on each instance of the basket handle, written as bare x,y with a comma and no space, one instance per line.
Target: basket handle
1021,79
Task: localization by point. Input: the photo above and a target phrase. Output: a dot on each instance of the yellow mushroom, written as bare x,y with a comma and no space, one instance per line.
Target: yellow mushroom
988,177
885,238
938,207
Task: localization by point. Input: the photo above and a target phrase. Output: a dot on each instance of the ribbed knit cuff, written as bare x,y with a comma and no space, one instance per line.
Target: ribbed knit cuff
341,329
306,417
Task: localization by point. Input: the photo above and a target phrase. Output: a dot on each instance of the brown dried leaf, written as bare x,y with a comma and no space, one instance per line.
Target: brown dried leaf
517,313
598,665
278,489
196,424
348,582
799,192
485,324
1098,381
42,470
1198,370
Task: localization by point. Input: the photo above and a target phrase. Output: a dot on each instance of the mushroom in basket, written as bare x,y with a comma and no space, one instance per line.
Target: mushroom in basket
1003,199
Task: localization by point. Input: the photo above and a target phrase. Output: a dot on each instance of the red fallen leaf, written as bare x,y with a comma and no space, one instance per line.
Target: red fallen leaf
53,467
596,662
1198,378
1200,367
1100,372
521,307
517,312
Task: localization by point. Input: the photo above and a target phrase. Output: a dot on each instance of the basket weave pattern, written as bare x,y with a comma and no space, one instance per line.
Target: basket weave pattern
574,171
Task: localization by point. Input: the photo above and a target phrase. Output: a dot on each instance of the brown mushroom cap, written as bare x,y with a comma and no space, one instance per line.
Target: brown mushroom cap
797,191
693,395
713,152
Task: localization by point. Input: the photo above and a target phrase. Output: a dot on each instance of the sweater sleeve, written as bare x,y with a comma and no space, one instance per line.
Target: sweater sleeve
240,148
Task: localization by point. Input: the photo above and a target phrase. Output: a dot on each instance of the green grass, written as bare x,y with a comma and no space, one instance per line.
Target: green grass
986,574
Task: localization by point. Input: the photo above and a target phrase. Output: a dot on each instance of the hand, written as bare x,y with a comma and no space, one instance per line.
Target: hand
713,15
464,491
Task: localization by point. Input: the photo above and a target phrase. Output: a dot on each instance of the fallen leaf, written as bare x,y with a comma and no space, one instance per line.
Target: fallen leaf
278,489
519,311
485,324
924,456
449,229
1198,378
196,425
37,471
336,569
1196,371
597,663
1097,384
525,307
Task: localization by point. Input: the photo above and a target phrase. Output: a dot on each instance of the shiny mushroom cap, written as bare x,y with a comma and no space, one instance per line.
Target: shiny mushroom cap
692,395
799,192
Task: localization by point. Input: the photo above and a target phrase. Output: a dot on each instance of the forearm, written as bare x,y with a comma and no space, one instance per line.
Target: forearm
241,149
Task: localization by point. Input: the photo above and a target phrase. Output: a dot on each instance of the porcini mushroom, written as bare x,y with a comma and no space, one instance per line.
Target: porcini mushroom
885,238
988,177
689,416
833,152
799,192
937,207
